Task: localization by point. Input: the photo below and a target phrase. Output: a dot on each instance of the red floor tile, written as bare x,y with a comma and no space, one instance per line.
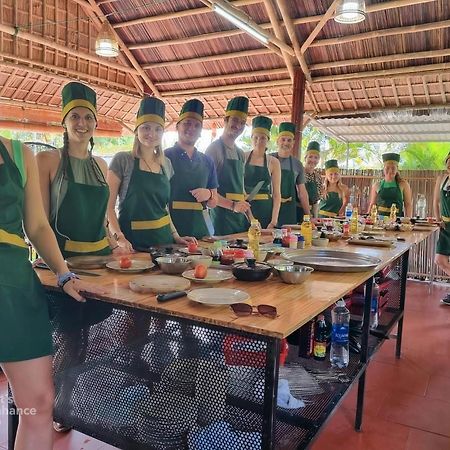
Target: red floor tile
439,388
421,440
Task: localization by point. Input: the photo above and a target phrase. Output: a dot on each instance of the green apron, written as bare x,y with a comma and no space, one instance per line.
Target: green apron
388,194
143,216
330,206
443,243
231,186
288,208
81,218
186,212
313,197
262,205
24,321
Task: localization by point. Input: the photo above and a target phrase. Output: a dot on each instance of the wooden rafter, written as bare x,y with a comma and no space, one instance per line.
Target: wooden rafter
364,91
327,103
411,92
338,98
442,89
394,90
425,88
380,94
318,28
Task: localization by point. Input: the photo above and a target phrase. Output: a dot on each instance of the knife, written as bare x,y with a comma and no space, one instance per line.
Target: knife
207,219
161,298
254,191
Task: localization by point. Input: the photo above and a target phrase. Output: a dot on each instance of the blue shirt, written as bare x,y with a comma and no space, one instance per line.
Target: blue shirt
176,153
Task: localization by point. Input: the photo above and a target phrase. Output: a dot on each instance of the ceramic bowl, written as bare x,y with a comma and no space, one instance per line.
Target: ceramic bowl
320,242
195,260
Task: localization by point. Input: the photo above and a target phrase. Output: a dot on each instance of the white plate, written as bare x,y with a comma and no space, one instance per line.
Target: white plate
137,265
218,296
212,276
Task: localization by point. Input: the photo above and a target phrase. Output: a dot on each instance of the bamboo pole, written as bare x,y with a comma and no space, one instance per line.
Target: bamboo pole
202,59
282,6
179,14
381,33
228,76
318,28
230,88
374,74
382,59
279,34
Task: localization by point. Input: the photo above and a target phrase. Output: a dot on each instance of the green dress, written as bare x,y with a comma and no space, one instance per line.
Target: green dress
79,223
231,186
24,321
288,208
330,206
261,205
388,193
143,216
443,243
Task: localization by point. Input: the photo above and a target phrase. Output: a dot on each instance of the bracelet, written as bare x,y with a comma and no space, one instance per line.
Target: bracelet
64,278
211,196
234,206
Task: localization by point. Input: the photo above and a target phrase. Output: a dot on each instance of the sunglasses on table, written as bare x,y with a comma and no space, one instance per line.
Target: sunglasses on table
243,309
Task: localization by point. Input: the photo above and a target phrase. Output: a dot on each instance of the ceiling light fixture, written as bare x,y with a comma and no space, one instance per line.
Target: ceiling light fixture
241,20
106,43
350,11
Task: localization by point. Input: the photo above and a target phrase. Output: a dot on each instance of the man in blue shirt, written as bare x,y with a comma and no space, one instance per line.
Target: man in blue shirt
194,183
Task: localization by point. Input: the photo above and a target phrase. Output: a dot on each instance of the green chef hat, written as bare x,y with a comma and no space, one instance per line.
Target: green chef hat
331,165
151,109
237,106
262,124
313,147
391,157
286,129
78,94
192,108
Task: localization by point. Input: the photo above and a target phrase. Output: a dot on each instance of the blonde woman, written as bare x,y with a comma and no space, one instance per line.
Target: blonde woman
313,179
335,194
141,179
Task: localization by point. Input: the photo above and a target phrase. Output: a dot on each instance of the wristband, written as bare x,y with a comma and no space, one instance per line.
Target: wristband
64,278
234,206
211,196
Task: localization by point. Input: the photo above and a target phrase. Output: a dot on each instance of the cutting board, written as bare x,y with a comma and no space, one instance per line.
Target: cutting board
371,242
158,284
88,262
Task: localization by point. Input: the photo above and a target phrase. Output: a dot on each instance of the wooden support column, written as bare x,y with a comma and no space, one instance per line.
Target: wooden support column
298,109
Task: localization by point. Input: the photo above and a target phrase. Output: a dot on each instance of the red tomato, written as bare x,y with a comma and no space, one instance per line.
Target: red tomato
192,247
200,271
125,262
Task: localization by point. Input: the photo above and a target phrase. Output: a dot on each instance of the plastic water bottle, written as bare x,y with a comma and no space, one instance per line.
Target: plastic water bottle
421,206
339,335
374,305
348,211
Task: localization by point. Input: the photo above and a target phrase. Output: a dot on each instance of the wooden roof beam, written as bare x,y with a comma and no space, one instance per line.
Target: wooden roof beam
382,59
318,28
380,94
411,92
441,86
282,6
427,92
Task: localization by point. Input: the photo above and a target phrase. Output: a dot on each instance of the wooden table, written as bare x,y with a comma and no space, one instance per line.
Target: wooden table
116,356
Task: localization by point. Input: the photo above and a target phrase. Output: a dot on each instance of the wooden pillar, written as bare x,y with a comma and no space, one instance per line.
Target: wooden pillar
298,109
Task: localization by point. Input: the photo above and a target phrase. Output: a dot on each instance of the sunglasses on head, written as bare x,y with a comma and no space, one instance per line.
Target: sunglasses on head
243,309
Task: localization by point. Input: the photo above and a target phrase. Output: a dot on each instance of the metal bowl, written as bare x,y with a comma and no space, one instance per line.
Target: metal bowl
294,274
173,265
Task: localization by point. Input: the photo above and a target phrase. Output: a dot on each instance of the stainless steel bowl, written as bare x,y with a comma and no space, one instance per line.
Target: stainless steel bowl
294,274
173,265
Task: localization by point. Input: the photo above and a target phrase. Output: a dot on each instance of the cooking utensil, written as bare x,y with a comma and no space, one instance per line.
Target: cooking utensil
161,298
88,262
158,284
207,219
251,271
332,260
254,191
294,274
370,241
173,265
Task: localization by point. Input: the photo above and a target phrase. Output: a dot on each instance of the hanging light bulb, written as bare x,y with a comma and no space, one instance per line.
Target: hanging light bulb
106,43
350,11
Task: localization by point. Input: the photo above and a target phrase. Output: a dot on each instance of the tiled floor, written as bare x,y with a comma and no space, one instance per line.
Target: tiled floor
407,403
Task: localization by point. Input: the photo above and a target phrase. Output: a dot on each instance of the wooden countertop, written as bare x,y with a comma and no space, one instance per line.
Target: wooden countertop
296,304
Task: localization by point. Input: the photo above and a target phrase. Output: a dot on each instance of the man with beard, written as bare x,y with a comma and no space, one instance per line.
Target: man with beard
194,184
292,176
229,159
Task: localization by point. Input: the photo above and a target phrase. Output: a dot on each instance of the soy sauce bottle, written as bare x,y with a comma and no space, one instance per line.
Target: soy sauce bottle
320,338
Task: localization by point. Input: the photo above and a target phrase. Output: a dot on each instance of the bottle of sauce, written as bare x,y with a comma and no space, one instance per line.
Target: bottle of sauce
374,214
320,338
306,230
393,214
354,222
254,234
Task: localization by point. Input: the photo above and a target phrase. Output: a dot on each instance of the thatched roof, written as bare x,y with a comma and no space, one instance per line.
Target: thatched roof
399,57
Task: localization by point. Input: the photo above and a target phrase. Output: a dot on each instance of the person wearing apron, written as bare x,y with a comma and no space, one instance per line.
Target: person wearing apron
335,193
194,184
262,167
441,210
75,196
25,331
392,189
292,176
141,178
313,179
229,215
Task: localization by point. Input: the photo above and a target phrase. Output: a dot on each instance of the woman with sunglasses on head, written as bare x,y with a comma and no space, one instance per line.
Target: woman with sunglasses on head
141,179
441,209
25,333
392,189
335,194
262,167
